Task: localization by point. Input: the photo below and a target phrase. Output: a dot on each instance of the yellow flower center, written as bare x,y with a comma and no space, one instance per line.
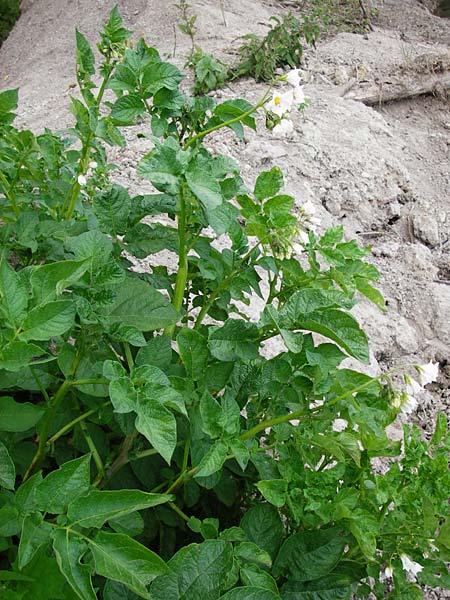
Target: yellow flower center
277,100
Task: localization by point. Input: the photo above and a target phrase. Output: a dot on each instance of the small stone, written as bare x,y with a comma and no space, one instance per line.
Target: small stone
426,229
340,75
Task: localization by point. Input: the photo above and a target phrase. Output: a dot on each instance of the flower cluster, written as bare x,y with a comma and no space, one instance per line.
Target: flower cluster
280,106
406,401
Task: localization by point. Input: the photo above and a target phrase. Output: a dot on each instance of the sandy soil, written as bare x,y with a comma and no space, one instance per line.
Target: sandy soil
383,172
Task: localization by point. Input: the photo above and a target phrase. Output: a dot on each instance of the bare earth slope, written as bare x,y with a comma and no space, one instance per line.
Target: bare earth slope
383,172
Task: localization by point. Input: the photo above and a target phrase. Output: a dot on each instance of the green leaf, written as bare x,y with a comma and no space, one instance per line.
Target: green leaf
92,245
49,320
18,416
365,528
113,31
69,551
212,415
230,109
85,57
268,184
250,593
112,207
16,355
159,75
7,469
158,425
340,327
310,554
35,534
126,109
62,486
49,281
241,452
309,300
440,429
193,349
163,167
204,187
10,520
99,506
254,576
213,459
123,395
293,341
331,587
249,552
118,557
370,292
13,295
138,304
199,571
8,102
274,491
263,526
157,352
236,339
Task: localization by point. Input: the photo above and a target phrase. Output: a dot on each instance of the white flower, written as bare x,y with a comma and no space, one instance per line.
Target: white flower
309,208
93,164
410,565
281,103
388,572
412,387
303,237
428,373
339,425
293,77
408,404
283,129
82,180
433,547
299,95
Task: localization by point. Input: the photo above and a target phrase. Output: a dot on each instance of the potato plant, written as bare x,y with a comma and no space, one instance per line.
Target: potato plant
149,448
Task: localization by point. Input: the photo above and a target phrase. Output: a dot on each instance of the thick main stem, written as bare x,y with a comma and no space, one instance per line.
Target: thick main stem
46,424
180,282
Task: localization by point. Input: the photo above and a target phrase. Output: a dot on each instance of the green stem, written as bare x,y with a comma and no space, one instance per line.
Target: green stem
89,382
71,199
72,423
178,510
247,113
9,194
46,424
222,285
122,458
128,355
93,448
180,282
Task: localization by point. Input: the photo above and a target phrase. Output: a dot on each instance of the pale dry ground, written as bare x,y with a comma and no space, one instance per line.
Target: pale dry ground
382,172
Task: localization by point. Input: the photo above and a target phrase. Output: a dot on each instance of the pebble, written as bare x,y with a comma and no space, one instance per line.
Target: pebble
426,229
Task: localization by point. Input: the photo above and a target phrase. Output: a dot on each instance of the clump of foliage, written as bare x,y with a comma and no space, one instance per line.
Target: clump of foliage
210,73
342,15
280,47
148,448
9,13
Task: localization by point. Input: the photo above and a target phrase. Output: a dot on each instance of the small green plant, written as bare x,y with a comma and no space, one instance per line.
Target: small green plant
281,47
188,21
148,446
9,13
209,72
